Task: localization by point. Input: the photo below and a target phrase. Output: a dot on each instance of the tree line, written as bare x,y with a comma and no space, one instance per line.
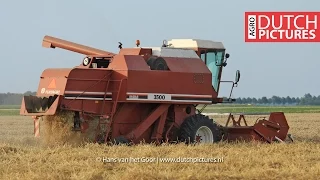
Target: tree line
307,99
13,98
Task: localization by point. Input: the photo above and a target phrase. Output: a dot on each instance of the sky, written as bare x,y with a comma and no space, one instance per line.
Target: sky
282,69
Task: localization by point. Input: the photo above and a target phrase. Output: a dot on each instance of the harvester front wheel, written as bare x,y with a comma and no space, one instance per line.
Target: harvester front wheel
199,129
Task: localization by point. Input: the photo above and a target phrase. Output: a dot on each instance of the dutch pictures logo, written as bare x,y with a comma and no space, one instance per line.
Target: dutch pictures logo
282,27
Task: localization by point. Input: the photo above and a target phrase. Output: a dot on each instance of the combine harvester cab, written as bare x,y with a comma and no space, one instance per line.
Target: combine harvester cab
146,94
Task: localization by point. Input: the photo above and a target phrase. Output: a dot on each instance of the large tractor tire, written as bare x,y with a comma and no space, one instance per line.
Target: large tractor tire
199,129
157,63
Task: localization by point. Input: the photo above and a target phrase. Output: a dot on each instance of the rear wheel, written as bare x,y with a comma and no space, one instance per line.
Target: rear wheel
199,129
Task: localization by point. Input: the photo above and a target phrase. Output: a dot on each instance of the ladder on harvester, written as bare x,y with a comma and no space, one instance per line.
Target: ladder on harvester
105,122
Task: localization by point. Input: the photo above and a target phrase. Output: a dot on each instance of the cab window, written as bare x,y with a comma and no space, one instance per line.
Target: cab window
213,60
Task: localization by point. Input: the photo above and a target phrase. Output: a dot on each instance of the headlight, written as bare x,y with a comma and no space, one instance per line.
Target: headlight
86,61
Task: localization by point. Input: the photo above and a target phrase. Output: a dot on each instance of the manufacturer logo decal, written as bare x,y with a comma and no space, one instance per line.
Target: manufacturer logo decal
52,84
43,90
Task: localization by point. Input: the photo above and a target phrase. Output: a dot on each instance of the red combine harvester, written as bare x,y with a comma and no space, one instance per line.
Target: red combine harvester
146,94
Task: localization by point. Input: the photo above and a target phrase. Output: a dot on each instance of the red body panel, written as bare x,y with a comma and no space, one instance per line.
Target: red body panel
84,89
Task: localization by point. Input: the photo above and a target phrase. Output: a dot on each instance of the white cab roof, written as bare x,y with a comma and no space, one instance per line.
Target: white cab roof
195,43
173,52
184,48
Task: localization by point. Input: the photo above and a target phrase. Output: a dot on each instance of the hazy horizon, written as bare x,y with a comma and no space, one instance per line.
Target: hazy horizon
267,69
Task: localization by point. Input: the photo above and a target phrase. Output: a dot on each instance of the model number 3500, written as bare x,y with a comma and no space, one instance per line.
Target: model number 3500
160,97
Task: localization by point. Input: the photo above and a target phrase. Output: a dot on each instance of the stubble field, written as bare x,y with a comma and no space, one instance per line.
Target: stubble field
24,157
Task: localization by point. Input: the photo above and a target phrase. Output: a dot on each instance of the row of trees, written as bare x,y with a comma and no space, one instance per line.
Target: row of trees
307,99
13,98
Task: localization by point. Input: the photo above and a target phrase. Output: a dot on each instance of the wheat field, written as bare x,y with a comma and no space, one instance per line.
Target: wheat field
24,157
